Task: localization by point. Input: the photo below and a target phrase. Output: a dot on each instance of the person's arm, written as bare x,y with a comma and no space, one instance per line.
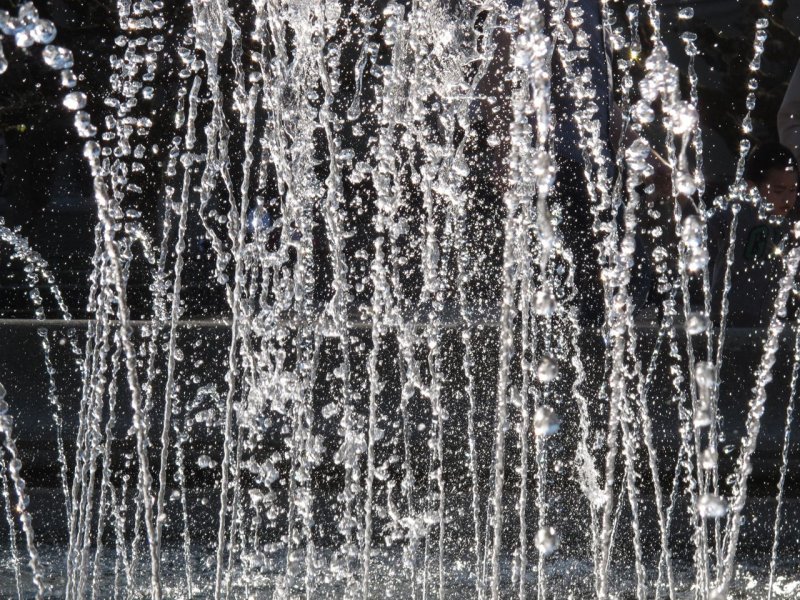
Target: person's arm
789,115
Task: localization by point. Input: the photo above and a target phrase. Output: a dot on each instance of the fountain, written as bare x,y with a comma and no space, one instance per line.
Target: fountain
424,381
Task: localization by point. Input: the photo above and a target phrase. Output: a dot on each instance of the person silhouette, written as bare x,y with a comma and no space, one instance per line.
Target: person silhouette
761,237
493,115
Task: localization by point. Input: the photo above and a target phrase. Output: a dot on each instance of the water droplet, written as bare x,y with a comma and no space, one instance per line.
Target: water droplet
721,594
83,124
329,410
703,416
68,79
711,506
685,118
637,154
709,458
545,421
697,323
44,32
547,369
644,112
206,462
24,38
686,13
27,13
747,124
91,150
693,235
705,375
729,448
57,57
75,100
547,540
544,303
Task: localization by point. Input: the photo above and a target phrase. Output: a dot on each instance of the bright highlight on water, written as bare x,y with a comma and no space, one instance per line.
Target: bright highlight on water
415,393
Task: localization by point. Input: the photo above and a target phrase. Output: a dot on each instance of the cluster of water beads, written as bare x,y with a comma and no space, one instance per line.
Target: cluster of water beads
14,467
264,285
28,29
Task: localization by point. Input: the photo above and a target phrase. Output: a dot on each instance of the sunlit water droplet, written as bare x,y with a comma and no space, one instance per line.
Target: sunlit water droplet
547,540
545,421
712,507
697,323
83,124
206,462
44,32
544,303
57,57
75,100
547,369
709,458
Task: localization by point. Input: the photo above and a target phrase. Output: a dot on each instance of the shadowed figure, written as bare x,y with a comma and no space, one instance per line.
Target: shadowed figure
761,238
569,193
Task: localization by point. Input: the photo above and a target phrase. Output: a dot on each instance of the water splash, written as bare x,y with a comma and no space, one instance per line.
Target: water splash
406,378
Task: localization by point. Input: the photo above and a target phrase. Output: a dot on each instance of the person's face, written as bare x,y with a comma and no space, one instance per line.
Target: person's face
780,190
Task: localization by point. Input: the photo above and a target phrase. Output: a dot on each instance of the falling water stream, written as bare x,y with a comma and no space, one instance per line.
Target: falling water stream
406,394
